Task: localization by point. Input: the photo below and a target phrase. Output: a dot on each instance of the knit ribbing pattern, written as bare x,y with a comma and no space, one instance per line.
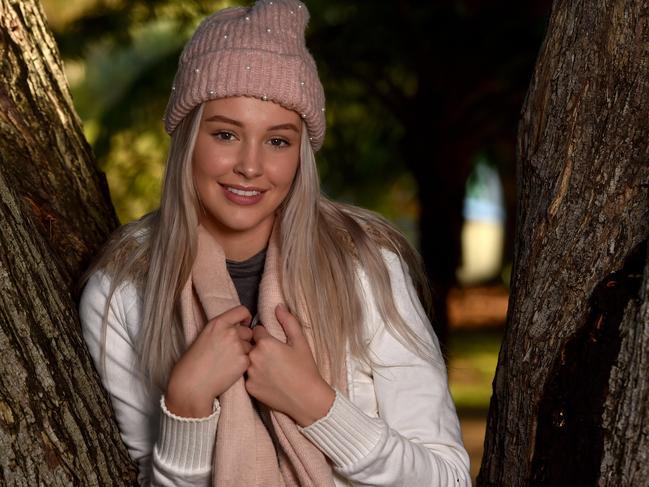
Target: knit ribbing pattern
344,435
258,52
196,449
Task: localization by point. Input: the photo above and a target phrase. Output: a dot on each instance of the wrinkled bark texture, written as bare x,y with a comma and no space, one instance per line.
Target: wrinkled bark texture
56,423
571,392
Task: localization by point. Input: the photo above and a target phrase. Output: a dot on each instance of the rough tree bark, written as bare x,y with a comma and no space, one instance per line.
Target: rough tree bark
56,425
571,392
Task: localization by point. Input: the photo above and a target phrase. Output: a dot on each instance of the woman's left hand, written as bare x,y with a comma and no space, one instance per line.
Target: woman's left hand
284,376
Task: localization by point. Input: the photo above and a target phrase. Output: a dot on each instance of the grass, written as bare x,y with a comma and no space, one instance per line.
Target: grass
473,355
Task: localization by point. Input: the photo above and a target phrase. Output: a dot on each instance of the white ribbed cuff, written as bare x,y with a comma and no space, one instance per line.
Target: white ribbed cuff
187,444
346,434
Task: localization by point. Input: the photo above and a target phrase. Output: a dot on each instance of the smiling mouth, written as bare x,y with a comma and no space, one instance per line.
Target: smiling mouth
241,192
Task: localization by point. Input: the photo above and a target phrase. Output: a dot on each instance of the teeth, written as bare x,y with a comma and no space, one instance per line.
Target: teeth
241,192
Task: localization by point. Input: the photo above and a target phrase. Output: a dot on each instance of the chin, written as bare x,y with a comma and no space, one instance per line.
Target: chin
242,225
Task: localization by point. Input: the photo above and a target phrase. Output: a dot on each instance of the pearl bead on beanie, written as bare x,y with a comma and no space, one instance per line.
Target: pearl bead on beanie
258,51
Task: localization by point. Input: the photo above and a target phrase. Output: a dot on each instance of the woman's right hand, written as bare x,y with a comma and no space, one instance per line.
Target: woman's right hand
216,360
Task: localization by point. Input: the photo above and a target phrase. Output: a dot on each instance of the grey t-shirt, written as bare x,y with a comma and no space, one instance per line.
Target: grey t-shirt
246,276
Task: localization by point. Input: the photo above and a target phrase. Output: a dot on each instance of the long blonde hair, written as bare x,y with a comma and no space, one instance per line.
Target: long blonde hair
321,242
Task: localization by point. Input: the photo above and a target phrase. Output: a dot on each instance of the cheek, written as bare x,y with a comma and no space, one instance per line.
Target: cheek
208,160
284,174
201,184
200,173
206,173
209,165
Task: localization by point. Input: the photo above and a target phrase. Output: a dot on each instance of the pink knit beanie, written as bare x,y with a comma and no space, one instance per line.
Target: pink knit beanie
257,51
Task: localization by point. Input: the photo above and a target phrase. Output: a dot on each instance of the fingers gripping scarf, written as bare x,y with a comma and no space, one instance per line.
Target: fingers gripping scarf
244,454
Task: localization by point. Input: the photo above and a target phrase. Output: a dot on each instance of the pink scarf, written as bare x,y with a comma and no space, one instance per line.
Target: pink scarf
244,455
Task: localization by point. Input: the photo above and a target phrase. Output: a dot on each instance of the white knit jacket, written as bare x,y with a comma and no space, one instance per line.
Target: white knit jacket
397,425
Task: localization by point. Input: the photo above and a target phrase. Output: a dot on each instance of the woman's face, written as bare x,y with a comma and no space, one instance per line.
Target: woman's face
245,158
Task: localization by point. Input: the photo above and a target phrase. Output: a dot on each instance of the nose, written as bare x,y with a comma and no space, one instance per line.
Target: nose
249,163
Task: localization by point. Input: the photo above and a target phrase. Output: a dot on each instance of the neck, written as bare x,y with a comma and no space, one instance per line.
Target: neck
241,245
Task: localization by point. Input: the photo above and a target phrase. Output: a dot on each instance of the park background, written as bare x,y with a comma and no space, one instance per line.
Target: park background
423,101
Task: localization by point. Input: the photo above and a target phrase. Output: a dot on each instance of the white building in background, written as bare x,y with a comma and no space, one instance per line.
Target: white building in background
483,231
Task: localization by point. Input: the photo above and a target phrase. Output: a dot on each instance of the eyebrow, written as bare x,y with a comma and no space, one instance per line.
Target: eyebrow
221,118
284,126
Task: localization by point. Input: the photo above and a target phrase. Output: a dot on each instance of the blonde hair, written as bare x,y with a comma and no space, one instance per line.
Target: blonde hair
320,242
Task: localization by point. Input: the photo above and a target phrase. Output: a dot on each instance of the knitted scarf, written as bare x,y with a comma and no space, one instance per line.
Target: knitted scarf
244,455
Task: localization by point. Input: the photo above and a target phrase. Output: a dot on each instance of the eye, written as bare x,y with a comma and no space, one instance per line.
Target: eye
279,142
223,135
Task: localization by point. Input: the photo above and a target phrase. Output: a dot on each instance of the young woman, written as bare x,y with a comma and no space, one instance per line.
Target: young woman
251,332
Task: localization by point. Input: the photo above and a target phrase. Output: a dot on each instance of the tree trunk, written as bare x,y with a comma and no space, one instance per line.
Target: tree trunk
440,219
571,392
56,423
